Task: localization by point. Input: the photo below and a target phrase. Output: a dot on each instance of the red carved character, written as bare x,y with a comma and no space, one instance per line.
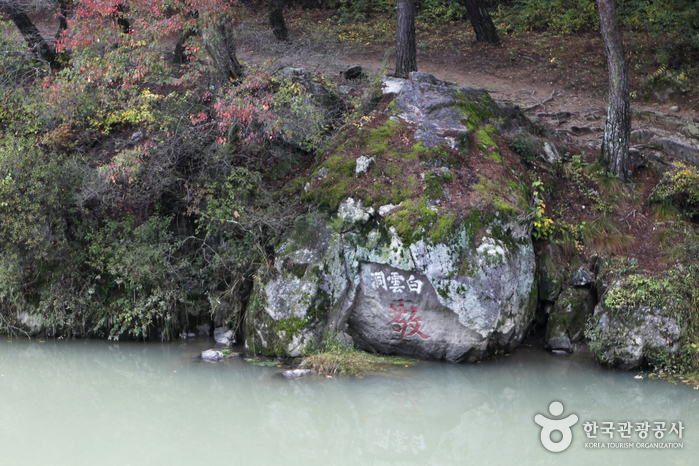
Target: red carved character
399,324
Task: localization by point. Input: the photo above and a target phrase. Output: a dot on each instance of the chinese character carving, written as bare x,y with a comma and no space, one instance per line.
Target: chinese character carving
400,324
414,285
395,280
378,280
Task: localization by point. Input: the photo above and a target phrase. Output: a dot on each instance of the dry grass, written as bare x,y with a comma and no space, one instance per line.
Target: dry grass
340,360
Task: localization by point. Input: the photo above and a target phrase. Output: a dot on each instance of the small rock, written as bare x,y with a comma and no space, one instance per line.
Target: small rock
392,85
363,163
352,211
420,77
296,373
551,153
385,209
560,353
354,72
223,335
583,277
212,355
674,108
642,136
137,136
678,149
323,173
293,72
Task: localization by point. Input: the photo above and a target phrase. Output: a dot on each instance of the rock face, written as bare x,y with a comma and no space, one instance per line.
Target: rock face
629,336
566,323
456,300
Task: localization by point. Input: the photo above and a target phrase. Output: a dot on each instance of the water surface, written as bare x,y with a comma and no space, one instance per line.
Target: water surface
105,403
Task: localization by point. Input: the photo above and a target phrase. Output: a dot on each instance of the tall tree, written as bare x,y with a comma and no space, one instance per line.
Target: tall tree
31,34
406,47
481,21
276,20
617,131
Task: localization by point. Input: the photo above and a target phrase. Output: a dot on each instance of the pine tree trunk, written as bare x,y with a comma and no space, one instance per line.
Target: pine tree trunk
30,33
276,20
617,131
481,21
406,48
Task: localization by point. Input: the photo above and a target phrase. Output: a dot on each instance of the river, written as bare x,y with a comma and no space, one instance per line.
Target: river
107,403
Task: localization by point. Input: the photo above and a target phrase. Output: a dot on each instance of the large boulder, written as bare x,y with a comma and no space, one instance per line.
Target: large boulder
426,253
289,307
458,299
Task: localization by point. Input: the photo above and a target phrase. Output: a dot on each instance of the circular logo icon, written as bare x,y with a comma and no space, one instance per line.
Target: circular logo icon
548,426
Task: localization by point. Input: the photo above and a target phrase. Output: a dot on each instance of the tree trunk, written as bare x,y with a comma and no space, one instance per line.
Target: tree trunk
121,20
406,48
220,45
276,20
62,20
617,131
179,56
30,33
481,21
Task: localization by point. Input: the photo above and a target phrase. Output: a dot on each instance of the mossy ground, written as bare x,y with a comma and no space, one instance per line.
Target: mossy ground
486,176
350,361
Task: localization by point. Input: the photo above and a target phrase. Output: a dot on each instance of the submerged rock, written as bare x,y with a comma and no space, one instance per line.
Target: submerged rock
296,373
212,355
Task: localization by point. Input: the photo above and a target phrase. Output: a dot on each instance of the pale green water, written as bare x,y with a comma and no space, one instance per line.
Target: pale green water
99,403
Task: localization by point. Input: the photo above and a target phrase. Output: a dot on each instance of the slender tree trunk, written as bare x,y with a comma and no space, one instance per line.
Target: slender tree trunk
30,33
121,20
406,48
617,131
276,20
220,45
62,20
481,21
